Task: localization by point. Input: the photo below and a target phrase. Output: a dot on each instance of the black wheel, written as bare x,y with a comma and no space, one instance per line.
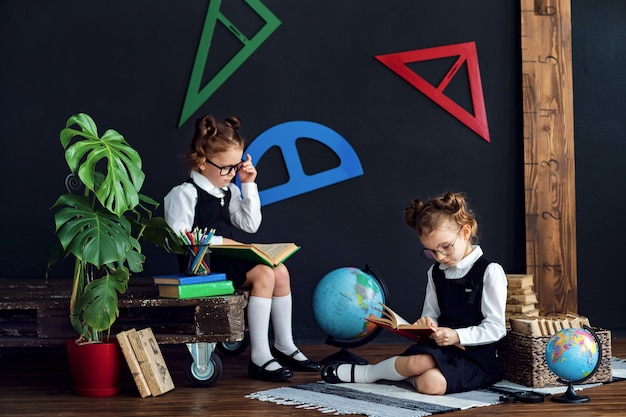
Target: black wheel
203,377
234,348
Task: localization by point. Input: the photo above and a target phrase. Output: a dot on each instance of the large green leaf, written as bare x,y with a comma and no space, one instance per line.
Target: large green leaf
85,122
96,237
99,301
123,178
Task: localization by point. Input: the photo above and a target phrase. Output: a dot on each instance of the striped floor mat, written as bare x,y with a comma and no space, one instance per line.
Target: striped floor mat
398,400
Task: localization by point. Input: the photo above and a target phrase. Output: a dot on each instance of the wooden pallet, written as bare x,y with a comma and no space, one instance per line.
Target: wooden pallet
36,313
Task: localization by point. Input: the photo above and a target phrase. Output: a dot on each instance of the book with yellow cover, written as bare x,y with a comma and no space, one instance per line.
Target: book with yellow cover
393,322
272,254
133,363
146,362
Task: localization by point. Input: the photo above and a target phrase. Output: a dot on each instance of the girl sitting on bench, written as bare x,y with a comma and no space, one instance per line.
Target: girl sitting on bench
209,199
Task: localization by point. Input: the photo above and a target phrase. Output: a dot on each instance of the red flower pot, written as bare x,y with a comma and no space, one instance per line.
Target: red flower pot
95,368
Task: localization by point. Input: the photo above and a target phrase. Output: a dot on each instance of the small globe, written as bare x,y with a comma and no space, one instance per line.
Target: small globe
342,300
572,354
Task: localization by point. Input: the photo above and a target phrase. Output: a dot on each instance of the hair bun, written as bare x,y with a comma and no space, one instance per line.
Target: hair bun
412,211
233,122
206,126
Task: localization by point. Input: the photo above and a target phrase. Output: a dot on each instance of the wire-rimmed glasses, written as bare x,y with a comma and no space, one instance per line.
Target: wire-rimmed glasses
445,249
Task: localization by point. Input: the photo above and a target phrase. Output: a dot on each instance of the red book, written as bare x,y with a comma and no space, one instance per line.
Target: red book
392,321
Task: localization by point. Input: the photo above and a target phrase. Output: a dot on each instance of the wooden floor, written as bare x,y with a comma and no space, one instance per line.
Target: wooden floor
35,382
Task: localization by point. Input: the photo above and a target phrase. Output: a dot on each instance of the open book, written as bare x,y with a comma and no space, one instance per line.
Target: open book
391,321
271,254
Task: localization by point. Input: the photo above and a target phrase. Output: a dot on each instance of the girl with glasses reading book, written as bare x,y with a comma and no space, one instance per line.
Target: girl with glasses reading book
209,199
464,304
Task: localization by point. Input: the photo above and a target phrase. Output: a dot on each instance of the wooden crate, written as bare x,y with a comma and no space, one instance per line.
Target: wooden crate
522,360
36,313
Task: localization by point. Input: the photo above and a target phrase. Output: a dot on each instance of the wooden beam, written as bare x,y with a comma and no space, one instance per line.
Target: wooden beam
548,108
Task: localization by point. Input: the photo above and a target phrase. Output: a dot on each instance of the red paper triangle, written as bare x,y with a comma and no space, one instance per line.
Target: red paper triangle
466,53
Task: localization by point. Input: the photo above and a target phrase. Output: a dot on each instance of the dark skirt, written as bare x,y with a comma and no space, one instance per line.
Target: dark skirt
464,370
234,269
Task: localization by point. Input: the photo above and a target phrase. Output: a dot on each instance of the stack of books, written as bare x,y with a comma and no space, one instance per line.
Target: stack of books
547,325
182,286
521,300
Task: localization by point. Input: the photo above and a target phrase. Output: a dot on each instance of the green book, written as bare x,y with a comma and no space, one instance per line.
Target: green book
204,289
272,254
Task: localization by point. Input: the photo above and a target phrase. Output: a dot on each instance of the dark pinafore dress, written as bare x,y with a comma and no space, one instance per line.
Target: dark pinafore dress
459,303
212,212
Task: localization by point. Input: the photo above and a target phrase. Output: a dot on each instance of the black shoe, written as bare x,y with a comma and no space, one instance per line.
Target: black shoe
329,372
306,365
260,372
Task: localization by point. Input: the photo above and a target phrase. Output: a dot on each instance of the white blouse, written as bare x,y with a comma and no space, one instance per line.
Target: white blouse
244,208
493,304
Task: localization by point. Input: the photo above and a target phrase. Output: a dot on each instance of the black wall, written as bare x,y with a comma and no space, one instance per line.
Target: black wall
599,39
127,64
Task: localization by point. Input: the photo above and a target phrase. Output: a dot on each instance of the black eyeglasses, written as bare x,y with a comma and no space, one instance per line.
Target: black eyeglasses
445,249
226,170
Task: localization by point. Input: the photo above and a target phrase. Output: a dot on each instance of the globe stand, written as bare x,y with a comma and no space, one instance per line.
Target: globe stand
343,355
570,396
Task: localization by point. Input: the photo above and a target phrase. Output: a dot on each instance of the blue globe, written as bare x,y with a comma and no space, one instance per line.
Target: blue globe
342,300
572,354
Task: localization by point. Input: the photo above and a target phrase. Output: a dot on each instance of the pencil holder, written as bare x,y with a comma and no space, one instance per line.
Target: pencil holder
198,259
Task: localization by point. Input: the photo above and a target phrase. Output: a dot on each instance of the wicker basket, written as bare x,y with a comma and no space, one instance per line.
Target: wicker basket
523,360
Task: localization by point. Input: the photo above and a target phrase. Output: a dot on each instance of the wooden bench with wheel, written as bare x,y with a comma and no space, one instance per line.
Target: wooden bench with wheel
35,313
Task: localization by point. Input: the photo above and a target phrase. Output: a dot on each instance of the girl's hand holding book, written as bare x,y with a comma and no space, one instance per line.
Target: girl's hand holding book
426,321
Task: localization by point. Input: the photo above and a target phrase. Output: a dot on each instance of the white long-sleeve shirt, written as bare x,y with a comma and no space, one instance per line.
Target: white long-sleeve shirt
493,303
244,208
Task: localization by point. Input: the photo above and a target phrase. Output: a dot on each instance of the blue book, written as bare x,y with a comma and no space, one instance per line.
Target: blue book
183,279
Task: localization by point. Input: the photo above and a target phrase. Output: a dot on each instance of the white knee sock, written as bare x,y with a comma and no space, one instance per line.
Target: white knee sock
281,323
258,326
370,373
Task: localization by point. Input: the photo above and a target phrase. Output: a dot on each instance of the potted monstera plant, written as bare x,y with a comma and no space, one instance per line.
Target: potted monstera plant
101,229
